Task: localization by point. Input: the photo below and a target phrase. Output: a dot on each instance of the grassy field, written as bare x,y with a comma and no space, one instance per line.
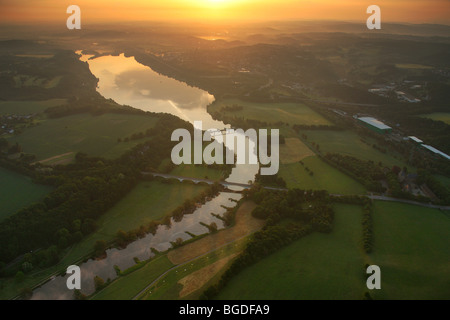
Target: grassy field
171,286
319,266
410,246
349,143
439,116
28,107
94,135
325,177
445,181
294,150
18,191
125,288
147,202
412,249
292,113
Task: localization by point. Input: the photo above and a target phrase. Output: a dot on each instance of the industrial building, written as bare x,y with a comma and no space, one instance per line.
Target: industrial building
416,140
436,151
375,125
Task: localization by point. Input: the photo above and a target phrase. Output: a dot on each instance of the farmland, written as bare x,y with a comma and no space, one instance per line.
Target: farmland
350,143
410,246
318,266
28,107
94,135
291,113
412,250
324,177
18,191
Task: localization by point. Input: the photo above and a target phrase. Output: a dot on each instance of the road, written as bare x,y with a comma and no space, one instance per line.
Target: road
248,186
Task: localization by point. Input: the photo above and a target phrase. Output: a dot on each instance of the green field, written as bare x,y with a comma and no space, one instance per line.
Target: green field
412,248
18,191
94,135
319,266
291,113
349,143
325,177
28,107
439,116
144,203
445,181
125,288
147,202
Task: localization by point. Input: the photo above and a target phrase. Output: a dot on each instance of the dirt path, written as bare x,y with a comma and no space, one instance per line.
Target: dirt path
245,225
54,158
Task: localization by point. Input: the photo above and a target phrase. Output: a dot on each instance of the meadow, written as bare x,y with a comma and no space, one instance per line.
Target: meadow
291,113
28,107
125,288
349,143
412,249
94,135
324,177
17,192
294,150
318,266
410,246
438,116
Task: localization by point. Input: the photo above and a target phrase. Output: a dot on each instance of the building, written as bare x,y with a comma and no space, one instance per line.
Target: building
436,151
416,140
374,125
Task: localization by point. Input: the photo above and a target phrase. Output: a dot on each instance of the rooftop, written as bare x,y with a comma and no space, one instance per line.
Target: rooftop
434,150
415,139
375,122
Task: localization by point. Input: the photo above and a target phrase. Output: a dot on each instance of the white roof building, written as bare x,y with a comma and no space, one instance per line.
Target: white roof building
436,151
375,123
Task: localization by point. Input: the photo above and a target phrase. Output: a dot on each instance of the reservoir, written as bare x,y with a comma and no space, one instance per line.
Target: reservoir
128,82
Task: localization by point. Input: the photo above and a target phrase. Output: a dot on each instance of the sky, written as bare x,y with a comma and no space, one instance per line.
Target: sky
412,11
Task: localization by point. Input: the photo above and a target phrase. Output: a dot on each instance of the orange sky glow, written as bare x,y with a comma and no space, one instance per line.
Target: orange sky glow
412,11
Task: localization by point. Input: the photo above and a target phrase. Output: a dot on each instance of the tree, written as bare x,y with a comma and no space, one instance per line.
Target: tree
20,276
99,283
78,295
212,227
100,247
27,267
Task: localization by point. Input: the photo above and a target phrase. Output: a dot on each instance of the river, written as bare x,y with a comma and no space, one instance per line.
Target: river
128,82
